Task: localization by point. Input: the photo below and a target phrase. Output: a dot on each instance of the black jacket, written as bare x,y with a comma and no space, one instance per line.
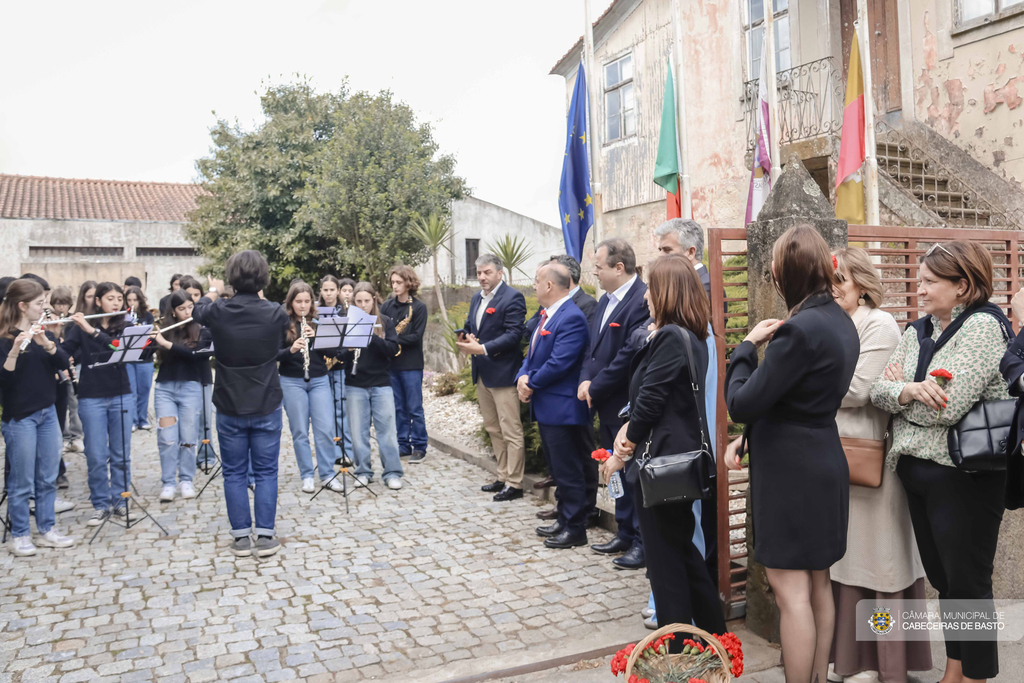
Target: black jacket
662,404
1012,368
373,368
32,385
184,363
411,338
500,332
99,382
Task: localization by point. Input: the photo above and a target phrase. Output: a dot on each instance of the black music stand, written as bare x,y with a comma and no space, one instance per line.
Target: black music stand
129,350
331,333
206,451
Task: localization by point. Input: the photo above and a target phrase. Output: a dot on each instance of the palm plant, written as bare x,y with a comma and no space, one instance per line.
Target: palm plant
513,251
435,233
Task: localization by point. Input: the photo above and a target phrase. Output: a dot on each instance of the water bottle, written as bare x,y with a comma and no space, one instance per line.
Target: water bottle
615,489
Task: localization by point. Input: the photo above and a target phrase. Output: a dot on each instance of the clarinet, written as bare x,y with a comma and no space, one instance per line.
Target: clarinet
305,349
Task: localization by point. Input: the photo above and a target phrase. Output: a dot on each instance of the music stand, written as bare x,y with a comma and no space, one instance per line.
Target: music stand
333,332
129,349
206,451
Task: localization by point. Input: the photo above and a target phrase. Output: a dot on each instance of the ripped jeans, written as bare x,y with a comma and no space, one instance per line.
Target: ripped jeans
180,404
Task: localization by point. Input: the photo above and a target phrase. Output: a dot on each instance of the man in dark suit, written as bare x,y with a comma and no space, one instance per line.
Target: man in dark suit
548,380
686,237
492,337
604,382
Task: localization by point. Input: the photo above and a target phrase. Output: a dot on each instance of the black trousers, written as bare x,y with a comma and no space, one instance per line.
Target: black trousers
625,509
683,591
956,517
568,457
709,525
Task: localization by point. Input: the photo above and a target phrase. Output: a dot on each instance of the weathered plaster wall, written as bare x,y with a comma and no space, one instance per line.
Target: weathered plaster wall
970,92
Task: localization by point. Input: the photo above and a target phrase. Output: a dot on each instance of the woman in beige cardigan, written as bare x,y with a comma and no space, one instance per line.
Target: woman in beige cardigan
881,561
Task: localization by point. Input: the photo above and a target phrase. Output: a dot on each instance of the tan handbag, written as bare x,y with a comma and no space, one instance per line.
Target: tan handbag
866,458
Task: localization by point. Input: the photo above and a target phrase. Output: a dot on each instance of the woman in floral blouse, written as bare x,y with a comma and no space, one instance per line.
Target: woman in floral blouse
955,514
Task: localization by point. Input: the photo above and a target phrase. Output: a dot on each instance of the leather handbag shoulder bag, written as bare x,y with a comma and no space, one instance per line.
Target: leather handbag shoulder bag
978,442
866,458
679,477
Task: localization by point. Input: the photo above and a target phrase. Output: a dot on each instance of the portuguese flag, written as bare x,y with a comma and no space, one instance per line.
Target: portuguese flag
666,165
849,180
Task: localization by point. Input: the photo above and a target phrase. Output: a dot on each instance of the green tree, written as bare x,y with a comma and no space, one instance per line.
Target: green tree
377,176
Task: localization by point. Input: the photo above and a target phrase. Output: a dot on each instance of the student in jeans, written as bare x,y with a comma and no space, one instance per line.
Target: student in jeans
140,374
409,314
247,331
307,402
30,429
368,384
106,404
178,398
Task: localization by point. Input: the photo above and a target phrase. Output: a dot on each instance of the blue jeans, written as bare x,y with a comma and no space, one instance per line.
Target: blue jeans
33,450
250,441
377,403
305,402
177,443
407,385
108,447
338,377
140,378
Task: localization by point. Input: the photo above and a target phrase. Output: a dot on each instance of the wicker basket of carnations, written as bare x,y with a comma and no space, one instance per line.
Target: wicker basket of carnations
711,659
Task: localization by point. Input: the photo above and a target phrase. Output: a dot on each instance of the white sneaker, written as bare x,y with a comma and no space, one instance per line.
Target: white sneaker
394,483
134,428
21,546
61,505
52,539
188,490
334,485
97,517
167,493
863,677
363,481
832,676
307,485
77,446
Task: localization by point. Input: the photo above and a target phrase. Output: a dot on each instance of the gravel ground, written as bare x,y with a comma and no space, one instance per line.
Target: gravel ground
453,417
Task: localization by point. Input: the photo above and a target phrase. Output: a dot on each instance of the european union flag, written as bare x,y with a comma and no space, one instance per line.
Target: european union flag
575,204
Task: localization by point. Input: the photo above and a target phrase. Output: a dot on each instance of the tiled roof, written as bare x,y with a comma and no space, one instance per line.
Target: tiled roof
109,200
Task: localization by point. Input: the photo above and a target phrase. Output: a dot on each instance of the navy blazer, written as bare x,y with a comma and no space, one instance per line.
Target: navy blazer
554,368
500,333
1012,368
583,301
608,359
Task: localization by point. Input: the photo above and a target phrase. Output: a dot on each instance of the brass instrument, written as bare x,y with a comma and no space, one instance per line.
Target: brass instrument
400,327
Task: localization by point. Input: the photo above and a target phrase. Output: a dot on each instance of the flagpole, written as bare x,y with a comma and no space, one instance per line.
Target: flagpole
592,132
685,203
773,93
863,32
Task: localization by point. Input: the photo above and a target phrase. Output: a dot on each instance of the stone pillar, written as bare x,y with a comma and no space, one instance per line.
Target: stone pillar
795,200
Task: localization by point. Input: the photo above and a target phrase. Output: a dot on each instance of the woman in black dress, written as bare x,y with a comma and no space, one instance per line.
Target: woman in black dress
800,482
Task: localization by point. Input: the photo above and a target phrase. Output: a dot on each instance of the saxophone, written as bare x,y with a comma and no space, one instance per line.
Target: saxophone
400,327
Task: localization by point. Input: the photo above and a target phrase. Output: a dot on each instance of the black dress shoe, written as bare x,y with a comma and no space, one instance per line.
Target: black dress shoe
594,519
508,493
548,514
616,545
547,482
493,488
404,454
417,457
634,559
566,540
552,530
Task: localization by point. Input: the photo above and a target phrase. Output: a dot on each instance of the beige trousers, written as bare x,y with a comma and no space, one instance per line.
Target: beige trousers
500,409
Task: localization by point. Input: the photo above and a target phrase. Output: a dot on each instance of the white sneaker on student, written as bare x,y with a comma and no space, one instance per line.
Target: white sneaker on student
52,539
307,485
334,485
394,483
61,505
167,493
363,481
188,490
21,546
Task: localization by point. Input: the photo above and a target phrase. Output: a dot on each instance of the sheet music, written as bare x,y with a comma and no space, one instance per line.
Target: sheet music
329,331
360,328
130,346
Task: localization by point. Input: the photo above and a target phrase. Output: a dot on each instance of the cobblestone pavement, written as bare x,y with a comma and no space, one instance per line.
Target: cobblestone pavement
411,583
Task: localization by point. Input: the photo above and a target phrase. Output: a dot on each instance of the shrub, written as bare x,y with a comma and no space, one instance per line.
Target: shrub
446,383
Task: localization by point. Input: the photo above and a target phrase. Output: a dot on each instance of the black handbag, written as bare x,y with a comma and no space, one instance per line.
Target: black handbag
979,441
680,477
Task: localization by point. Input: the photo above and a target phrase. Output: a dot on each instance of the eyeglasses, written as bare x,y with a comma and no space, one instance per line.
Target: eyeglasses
939,246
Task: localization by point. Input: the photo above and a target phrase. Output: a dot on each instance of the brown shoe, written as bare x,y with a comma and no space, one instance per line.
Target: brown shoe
544,483
548,514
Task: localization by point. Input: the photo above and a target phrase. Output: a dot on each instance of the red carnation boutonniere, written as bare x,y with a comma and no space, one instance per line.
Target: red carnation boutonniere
490,311
545,333
614,325
942,377
601,454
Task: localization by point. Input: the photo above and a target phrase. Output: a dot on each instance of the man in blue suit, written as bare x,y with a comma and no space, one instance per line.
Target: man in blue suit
548,380
491,337
604,382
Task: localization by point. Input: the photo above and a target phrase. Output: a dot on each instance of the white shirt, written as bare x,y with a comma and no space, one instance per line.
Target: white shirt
551,310
485,299
614,298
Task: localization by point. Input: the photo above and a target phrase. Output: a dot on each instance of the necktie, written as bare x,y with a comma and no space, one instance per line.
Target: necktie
540,326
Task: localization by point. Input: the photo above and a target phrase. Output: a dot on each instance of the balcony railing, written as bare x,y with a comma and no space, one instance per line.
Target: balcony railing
810,102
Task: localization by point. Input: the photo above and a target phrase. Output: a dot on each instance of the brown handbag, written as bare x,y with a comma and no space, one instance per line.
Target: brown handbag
866,458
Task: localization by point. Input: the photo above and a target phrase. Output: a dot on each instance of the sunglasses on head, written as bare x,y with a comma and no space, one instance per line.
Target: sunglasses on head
939,246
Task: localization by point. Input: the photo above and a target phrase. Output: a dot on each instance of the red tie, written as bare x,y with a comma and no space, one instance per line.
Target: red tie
540,326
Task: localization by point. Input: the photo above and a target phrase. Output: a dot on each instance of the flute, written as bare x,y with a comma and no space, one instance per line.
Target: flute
28,340
171,327
66,319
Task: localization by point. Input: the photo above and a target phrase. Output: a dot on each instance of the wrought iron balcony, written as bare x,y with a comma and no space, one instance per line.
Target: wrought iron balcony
810,102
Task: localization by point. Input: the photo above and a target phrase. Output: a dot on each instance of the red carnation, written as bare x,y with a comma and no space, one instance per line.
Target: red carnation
115,343
601,454
614,325
835,262
490,310
545,333
941,376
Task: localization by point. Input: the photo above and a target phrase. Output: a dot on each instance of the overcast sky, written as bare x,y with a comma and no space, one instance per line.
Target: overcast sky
126,91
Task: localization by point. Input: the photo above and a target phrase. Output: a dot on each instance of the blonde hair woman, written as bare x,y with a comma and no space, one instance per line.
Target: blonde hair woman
881,561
